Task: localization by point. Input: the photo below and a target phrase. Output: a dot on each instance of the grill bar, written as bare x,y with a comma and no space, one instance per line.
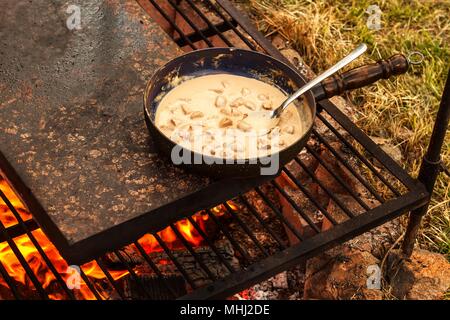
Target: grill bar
251,30
193,253
247,230
230,238
310,196
154,267
110,278
90,285
191,24
44,256
210,25
211,245
338,178
324,188
389,165
173,24
17,230
235,29
9,282
280,216
207,32
262,222
296,207
133,274
175,261
359,155
363,181
23,263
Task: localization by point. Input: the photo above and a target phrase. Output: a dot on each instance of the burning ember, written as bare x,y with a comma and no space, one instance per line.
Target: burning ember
91,269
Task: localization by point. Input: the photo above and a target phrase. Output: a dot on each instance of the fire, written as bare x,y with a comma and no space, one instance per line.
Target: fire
185,227
6,216
91,269
187,230
40,269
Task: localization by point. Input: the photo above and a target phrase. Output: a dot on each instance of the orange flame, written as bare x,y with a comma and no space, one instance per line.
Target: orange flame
6,216
91,269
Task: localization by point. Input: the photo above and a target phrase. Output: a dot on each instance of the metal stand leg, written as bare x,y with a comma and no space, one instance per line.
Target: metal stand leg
430,168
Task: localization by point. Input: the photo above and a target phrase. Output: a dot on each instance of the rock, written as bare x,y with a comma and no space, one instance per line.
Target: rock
341,103
393,151
297,171
293,57
378,240
424,276
279,42
280,281
338,214
340,273
327,178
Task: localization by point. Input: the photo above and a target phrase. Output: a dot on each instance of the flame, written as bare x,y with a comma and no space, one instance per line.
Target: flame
185,227
39,267
91,269
6,216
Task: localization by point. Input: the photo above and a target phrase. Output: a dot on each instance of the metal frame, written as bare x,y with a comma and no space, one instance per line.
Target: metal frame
258,263
430,168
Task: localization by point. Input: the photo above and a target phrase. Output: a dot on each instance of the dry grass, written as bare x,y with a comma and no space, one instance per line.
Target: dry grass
401,110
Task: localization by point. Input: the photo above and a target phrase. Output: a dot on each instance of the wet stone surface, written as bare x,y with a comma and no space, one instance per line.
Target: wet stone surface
72,125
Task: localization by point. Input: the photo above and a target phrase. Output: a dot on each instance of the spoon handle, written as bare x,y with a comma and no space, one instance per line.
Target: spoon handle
342,63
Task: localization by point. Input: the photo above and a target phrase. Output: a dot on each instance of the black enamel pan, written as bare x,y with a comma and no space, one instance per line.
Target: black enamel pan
262,67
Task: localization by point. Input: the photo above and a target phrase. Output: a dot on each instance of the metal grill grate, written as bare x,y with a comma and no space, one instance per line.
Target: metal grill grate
248,244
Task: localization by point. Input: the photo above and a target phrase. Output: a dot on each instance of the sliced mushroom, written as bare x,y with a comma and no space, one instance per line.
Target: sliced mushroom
276,139
267,105
225,84
238,147
237,102
289,129
209,150
228,153
186,109
263,97
225,122
275,131
176,122
210,133
184,135
217,90
226,111
212,117
244,126
173,109
166,127
265,146
245,91
196,114
250,105
221,102
236,113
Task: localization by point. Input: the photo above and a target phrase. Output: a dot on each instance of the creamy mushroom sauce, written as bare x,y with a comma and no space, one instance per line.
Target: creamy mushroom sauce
208,115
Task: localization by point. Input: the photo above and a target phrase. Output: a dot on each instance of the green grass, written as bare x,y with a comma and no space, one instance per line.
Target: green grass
401,110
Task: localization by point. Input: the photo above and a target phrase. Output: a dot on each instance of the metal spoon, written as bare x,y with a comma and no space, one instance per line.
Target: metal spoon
342,63
269,119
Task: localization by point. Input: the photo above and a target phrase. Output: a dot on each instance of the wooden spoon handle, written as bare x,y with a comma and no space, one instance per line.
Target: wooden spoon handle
361,76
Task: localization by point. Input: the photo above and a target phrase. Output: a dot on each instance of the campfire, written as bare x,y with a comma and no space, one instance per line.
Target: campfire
90,269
